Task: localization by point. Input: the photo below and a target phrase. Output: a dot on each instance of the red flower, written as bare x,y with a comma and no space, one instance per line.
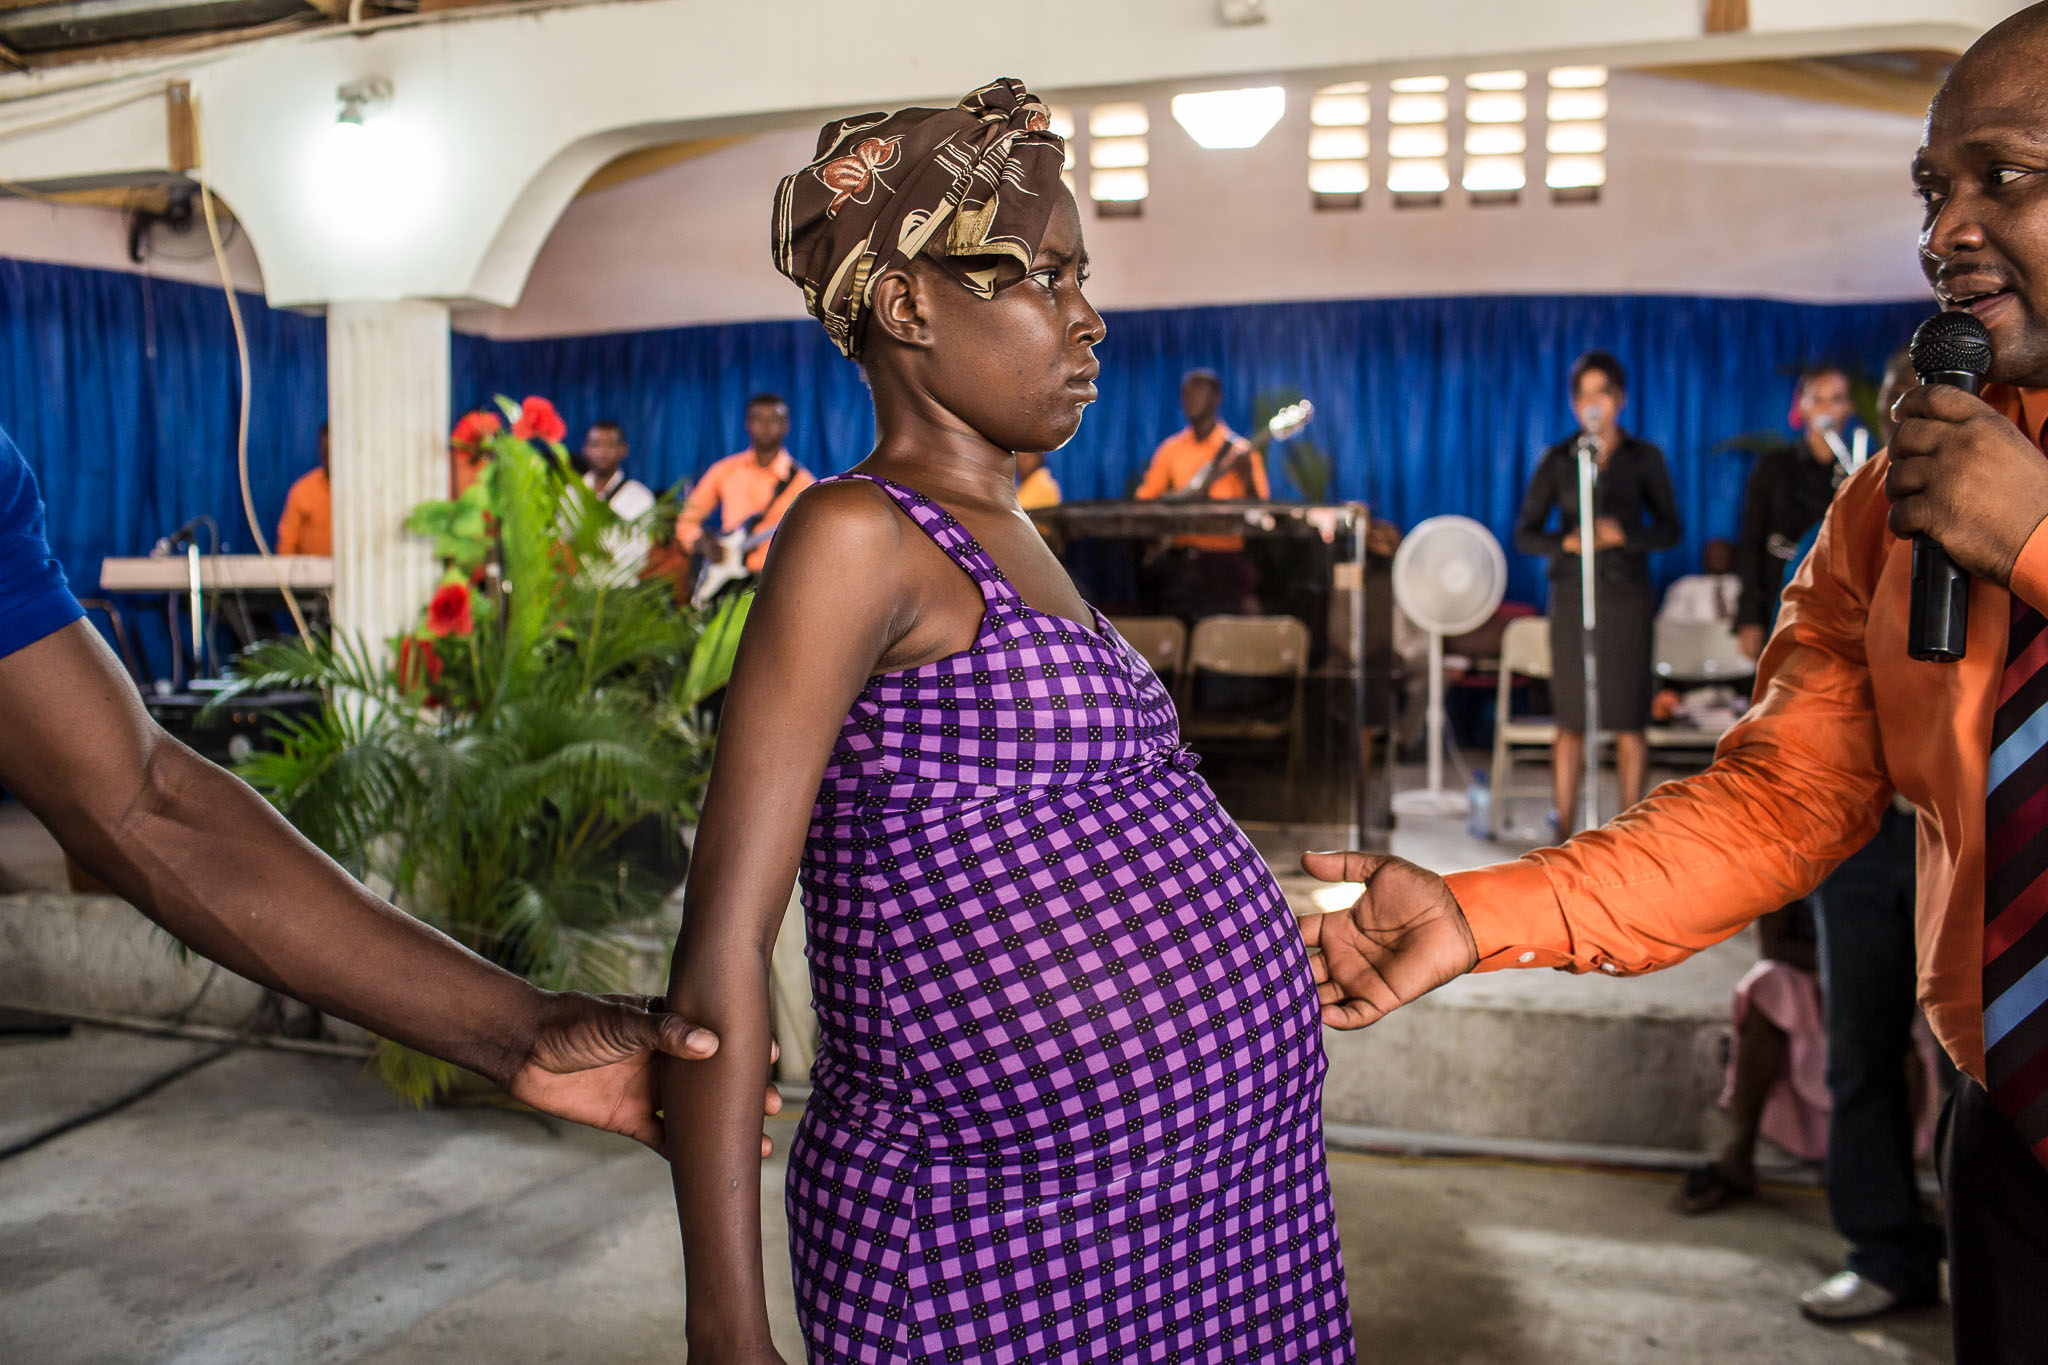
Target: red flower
538,421
449,611
475,428
418,664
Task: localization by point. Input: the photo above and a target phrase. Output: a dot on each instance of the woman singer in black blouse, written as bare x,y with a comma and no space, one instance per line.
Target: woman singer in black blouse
1634,515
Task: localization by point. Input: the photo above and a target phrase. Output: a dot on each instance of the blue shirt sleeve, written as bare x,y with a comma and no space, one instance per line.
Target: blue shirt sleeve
34,599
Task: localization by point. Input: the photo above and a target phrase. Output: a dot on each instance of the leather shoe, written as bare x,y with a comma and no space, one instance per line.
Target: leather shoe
1848,1297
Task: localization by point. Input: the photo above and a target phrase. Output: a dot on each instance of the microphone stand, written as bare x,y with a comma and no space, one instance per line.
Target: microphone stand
198,606
1589,792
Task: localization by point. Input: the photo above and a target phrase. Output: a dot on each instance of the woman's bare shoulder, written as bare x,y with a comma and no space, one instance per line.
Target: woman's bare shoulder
845,520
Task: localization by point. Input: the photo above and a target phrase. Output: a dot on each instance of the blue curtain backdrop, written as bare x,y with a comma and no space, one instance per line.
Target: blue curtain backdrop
122,393
1423,405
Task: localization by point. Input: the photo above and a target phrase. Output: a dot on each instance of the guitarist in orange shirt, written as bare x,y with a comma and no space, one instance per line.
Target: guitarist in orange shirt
750,492
1206,574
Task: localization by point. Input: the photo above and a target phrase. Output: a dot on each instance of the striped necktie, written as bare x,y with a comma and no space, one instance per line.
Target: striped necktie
2016,886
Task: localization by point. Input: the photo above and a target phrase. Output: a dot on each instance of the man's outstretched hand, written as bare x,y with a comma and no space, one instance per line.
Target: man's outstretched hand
592,1062
1405,937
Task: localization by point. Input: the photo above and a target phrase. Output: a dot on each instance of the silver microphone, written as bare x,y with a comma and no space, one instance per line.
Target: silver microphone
1830,428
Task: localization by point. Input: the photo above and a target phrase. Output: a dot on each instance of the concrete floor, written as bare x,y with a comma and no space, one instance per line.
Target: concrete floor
270,1207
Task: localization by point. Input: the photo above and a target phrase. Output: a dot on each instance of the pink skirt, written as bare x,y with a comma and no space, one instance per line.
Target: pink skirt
1796,1109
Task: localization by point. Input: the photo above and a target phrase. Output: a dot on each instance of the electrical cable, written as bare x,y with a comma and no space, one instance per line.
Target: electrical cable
227,284
8,130
121,1101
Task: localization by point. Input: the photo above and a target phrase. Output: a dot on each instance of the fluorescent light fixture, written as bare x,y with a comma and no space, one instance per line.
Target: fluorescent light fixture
1119,120
1418,108
1494,174
1430,176
1226,119
1576,138
1505,139
1116,153
1338,177
1496,106
1576,172
1123,185
1577,77
1337,106
1409,143
1419,85
1062,120
1336,144
1497,80
1577,106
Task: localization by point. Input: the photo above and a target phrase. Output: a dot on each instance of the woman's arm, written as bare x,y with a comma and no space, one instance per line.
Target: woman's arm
1532,534
1664,529
828,609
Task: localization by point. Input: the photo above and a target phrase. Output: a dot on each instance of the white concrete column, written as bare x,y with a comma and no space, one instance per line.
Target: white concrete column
387,399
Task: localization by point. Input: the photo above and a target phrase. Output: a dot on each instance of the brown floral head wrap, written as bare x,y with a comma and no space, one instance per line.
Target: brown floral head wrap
971,187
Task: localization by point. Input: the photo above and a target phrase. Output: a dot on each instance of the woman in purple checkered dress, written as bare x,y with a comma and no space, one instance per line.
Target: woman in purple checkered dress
1066,1102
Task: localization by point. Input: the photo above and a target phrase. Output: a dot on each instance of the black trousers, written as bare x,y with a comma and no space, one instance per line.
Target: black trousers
1997,1197
1864,912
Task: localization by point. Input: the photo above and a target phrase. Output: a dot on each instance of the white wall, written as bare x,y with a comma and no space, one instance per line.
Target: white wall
449,192
1710,190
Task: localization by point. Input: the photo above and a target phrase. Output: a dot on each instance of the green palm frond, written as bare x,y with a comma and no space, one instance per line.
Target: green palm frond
711,662
495,794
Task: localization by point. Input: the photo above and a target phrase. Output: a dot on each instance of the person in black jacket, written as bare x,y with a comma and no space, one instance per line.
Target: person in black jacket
1635,514
1789,491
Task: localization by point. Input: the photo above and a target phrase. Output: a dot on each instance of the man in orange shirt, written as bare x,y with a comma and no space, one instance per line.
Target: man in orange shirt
1206,459
752,489
1845,718
307,526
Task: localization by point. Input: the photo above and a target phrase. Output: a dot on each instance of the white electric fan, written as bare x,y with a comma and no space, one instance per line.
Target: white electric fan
1449,576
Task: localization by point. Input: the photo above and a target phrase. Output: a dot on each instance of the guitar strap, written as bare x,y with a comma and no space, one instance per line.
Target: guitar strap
1200,483
750,523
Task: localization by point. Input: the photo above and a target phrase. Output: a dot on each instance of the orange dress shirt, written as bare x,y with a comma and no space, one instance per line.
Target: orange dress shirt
307,526
1845,718
736,488
1181,457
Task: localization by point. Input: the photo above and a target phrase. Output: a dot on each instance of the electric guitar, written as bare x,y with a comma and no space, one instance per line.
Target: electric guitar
725,561
1283,425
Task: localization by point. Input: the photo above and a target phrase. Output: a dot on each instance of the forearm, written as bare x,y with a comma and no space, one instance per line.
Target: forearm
1532,522
714,1158
1685,869
204,856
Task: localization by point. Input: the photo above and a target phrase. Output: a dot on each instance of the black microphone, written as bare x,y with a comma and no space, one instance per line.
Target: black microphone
1953,349
176,538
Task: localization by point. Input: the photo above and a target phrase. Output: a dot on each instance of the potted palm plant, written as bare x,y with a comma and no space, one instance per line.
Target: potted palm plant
490,770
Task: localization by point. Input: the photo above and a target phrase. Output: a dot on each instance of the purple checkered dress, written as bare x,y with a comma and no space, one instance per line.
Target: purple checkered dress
1066,1102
